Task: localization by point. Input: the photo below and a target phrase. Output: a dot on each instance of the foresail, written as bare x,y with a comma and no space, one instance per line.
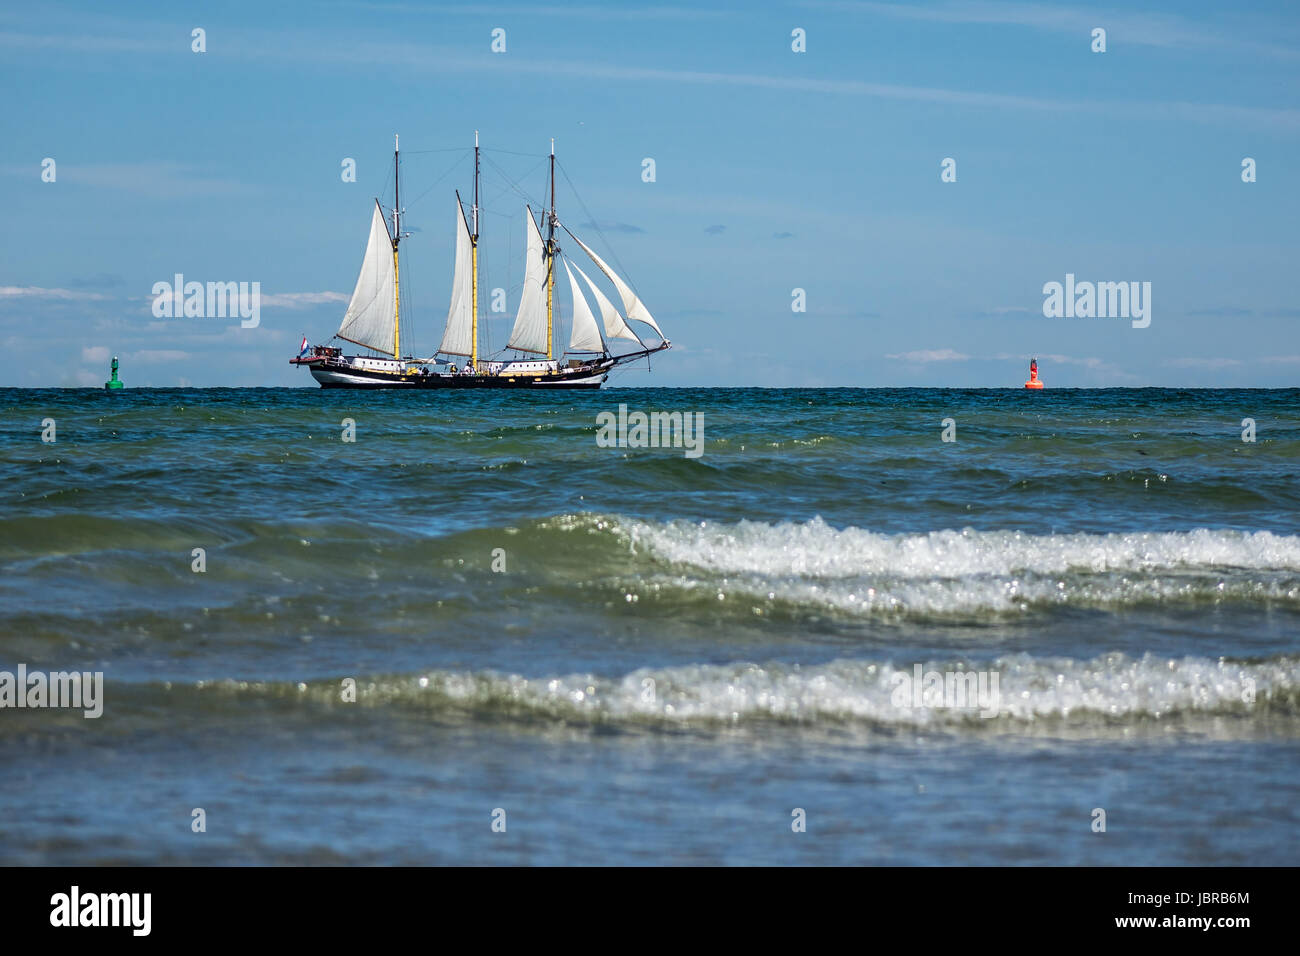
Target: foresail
634,307
586,333
615,327
529,332
458,339
371,316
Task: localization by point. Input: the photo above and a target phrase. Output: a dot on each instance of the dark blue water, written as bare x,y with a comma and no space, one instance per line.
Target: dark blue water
642,656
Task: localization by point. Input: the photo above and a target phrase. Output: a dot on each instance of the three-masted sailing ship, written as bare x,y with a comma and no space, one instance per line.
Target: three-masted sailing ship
373,317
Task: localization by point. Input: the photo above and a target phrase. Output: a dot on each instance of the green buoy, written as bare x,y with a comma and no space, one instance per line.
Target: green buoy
114,382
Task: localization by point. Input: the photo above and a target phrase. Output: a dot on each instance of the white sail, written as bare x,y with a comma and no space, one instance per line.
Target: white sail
458,339
586,333
615,327
634,307
372,313
529,332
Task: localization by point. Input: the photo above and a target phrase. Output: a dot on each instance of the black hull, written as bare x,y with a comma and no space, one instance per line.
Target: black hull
340,372
485,381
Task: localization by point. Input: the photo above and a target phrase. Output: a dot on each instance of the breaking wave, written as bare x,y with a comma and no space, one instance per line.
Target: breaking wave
943,572
1112,688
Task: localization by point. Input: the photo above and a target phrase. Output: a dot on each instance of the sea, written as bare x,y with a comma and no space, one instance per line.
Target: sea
852,627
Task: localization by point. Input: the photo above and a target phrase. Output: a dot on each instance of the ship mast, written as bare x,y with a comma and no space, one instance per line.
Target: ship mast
550,262
473,361
397,237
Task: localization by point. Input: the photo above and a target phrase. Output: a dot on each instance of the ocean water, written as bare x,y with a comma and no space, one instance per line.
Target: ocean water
643,657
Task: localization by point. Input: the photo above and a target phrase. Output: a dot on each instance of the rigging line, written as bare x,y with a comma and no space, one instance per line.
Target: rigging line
408,303
449,149
515,185
388,181
495,198
485,326
596,225
511,152
454,167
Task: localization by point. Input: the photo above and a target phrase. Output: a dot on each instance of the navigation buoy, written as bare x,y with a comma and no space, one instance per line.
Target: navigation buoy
114,382
1033,375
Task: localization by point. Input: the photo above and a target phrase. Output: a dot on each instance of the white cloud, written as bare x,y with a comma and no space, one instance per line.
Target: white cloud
1135,28
301,300
278,300
152,356
1210,363
421,58
932,355
95,354
1085,362
159,180
36,292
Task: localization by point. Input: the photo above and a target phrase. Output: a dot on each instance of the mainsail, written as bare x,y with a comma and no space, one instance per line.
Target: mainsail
615,327
372,315
635,307
586,333
529,332
458,339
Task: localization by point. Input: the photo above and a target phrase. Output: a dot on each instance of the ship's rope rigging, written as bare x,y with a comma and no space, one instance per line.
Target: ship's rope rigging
596,226
455,166
513,185
503,185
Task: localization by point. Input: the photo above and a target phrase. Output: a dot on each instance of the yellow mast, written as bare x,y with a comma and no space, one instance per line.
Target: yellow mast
473,361
550,262
397,237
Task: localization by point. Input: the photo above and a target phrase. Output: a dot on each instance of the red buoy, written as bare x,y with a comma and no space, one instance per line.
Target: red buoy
1033,375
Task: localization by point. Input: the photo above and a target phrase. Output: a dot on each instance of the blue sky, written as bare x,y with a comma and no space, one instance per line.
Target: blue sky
775,170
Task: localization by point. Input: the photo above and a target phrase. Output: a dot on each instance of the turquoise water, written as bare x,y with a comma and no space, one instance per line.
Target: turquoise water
644,657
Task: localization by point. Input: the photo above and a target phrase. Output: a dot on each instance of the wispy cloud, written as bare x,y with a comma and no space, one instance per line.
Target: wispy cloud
1229,312
13,292
101,281
423,59
603,225
156,179
926,356
1223,313
715,230
159,180
1206,363
301,300
1089,362
274,300
577,11
155,356
1122,26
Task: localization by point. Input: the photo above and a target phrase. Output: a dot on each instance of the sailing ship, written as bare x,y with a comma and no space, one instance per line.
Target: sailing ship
373,316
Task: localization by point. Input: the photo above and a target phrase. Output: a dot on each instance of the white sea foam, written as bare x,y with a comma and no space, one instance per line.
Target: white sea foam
1111,687
967,571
